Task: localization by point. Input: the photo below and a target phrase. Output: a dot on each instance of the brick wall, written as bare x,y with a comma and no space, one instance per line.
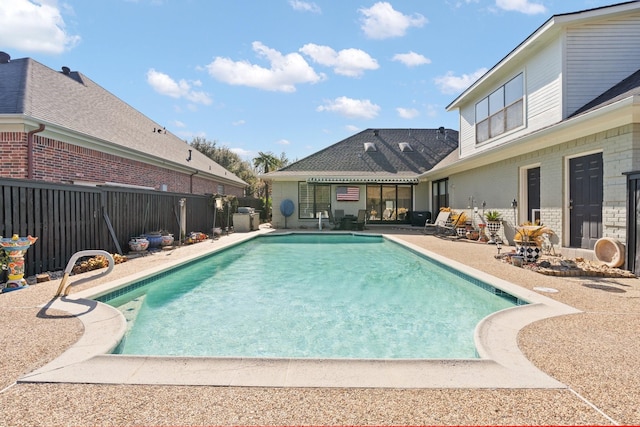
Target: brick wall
61,162
498,182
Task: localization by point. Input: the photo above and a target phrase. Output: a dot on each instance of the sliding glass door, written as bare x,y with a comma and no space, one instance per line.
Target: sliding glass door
389,202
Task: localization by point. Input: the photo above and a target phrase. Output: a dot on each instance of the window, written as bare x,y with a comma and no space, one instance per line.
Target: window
389,202
501,111
313,199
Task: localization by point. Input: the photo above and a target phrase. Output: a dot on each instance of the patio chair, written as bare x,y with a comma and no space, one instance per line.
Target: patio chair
441,220
335,222
449,228
361,220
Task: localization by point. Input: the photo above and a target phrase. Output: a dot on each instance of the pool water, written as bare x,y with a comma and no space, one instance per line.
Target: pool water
309,296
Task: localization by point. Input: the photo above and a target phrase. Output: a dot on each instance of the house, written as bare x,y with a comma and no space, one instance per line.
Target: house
61,127
376,170
552,131
549,133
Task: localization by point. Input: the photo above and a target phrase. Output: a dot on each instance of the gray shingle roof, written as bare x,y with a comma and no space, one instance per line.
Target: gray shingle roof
626,88
73,101
426,147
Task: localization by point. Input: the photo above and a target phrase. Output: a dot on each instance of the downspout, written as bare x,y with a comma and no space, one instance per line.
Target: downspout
30,150
191,181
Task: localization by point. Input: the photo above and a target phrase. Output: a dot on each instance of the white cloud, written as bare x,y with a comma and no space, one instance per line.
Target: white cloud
239,122
407,113
523,6
432,110
347,62
179,124
165,85
450,84
381,21
283,142
305,6
352,128
244,154
352,108
284,73
411,59
34,26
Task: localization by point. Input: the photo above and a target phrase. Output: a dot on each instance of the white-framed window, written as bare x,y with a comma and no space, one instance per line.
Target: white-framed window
501,111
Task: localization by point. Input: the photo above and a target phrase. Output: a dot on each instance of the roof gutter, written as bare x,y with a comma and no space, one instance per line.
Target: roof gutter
30,134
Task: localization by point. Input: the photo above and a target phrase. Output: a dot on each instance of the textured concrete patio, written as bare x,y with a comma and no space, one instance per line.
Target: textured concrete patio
594,354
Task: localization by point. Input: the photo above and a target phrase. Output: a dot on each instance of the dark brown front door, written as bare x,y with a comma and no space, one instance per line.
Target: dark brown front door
585,200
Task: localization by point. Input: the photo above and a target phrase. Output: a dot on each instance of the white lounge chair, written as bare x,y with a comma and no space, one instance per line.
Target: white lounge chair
440,221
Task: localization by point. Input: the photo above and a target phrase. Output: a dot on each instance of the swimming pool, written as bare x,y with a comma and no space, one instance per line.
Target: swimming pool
309,296
501,363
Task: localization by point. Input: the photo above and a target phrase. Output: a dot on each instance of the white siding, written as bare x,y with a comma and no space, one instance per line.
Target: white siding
543,99
544,89
598,56
467,134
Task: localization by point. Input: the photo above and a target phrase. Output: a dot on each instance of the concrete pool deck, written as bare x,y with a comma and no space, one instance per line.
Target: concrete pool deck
590,358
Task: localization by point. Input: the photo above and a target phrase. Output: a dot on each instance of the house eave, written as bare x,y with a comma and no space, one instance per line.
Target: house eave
547,31
363,180
617,114
56,132
333,177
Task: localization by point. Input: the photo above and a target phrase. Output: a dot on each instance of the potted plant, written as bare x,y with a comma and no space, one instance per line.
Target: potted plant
459,219
528,239
167,238
494,221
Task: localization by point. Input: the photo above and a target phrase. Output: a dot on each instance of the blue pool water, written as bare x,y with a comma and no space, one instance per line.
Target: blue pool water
309,296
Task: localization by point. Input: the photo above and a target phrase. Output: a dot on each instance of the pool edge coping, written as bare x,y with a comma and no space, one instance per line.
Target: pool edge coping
501,363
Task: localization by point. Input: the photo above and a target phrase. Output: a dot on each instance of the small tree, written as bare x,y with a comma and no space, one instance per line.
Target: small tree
265,163
229,160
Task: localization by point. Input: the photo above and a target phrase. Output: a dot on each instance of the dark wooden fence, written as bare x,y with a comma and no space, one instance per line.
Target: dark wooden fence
70,218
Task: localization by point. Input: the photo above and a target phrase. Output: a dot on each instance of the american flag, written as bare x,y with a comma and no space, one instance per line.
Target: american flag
348,194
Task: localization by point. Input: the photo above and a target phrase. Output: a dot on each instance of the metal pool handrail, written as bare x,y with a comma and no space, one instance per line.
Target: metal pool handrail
72,262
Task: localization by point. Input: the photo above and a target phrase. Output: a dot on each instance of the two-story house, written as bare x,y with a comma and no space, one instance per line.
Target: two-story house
554,127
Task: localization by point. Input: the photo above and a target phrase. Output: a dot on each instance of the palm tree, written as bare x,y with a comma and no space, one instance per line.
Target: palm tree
266,162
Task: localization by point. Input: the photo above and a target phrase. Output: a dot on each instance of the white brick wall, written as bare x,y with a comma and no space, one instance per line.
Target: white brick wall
498,183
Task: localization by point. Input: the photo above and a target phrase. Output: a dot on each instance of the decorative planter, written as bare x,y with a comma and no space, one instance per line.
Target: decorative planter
461,231
529,251
493,226
167,240
138,244
15,247
155,240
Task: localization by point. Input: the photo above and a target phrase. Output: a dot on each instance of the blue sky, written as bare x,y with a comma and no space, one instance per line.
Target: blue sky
290,76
